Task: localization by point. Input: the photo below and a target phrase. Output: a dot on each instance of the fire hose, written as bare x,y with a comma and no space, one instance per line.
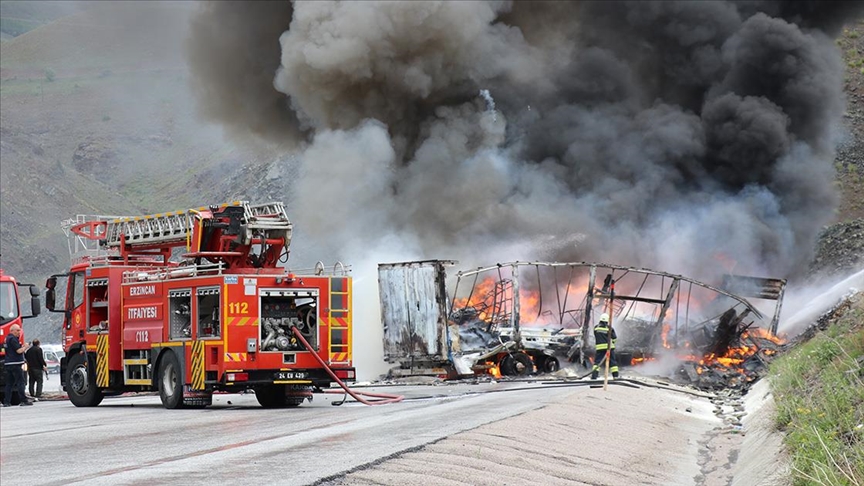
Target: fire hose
384,398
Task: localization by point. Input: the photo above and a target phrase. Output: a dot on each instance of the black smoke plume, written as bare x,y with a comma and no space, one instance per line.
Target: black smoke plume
675,135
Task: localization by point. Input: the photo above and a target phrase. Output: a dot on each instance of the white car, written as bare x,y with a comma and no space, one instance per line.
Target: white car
53,353
52,361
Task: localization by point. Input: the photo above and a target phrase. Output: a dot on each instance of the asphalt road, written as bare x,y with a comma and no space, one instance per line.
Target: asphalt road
133,440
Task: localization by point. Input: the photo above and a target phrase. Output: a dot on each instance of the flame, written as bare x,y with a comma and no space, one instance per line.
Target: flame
493,369
529,303
483,297
734,357
732,361
764,334
664,333
492,296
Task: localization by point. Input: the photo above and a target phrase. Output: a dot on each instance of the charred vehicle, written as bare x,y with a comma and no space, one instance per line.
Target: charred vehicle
525,317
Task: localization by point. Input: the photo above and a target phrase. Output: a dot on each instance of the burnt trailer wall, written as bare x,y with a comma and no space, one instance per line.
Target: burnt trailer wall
414,311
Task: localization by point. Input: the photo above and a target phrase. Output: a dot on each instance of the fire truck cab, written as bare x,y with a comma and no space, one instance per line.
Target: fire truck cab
11,314
222,317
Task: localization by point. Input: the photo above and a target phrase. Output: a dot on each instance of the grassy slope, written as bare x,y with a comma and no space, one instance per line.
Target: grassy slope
819,390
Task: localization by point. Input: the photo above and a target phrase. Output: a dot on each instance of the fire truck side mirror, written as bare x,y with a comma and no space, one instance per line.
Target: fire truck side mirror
35,304
50,296
49,300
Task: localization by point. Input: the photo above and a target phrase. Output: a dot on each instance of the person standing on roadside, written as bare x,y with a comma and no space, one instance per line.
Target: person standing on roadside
36,368
14,371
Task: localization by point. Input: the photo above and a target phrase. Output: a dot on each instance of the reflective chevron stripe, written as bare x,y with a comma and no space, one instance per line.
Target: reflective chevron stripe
242,321
198,365
102,360
235,357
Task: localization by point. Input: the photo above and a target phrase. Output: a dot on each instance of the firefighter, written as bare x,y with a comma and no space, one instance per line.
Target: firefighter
601,344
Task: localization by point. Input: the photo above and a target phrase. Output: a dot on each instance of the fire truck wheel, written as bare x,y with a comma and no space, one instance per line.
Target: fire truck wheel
271,396
81,382
170,387
292,402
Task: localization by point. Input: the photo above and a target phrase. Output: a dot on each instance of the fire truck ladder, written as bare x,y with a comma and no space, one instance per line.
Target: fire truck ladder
236,223
175,228
265,216
162,228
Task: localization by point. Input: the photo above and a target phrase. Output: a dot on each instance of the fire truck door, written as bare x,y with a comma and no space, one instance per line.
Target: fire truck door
75,299
72,303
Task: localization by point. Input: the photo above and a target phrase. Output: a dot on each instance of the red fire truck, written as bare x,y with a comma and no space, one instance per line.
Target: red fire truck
191,302
10,314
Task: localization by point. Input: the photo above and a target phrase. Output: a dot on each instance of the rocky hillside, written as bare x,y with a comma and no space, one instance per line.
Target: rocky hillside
98,118
850,156
841,247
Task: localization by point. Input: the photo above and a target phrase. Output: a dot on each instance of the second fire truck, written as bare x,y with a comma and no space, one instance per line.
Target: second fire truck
10,315
191,302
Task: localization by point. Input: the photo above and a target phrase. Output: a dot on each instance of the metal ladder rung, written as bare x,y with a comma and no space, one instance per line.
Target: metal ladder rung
271,209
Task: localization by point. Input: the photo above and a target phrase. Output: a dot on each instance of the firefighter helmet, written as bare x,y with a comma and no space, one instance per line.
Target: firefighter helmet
604,317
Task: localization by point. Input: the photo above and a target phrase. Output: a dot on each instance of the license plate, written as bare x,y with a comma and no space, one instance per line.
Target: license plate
291,375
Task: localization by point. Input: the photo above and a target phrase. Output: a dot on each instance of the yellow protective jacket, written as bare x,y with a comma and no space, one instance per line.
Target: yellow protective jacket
601,337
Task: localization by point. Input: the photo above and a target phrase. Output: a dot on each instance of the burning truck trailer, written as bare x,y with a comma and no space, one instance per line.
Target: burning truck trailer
426,332
520,318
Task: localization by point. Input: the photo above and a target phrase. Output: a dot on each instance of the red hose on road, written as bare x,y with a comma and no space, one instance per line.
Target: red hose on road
385,398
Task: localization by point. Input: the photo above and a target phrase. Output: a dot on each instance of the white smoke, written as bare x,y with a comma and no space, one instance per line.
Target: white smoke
804,304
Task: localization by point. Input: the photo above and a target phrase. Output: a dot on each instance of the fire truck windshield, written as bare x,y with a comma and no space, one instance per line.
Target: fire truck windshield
8,302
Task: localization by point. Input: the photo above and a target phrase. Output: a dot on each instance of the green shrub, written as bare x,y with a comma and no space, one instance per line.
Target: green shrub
49,75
